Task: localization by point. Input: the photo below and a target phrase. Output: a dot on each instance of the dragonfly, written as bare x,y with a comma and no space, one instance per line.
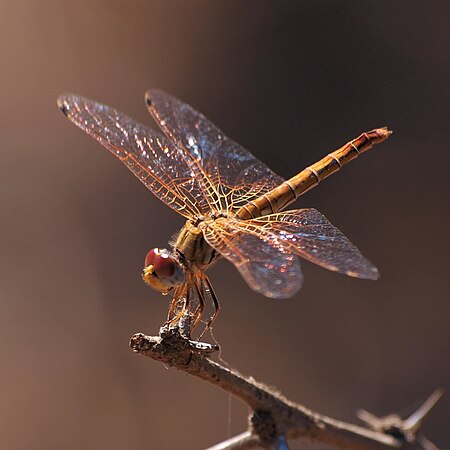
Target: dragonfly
232,203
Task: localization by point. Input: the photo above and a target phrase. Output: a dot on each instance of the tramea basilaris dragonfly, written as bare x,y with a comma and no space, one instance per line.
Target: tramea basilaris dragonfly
231,201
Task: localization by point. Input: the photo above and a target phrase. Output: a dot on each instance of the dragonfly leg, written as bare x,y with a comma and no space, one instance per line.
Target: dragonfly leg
209,289
184,308
176,297
201,306
175,314
215,302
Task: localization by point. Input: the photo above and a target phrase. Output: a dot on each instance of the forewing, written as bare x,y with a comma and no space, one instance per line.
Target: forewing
236,174
265,264
308,233
162,166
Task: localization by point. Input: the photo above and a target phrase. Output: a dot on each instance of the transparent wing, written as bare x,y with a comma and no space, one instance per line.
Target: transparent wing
237,175
308,233
263,261
162,166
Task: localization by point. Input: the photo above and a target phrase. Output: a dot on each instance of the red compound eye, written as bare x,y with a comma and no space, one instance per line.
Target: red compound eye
162,271
164,266
151,255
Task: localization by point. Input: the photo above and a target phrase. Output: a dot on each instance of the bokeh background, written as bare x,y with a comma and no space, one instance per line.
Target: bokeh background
290,81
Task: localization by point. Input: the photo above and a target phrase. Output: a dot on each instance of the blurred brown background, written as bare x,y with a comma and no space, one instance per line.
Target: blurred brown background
290,81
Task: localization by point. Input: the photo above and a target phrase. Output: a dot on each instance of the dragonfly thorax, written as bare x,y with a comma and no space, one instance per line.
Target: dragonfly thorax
191,245
162,270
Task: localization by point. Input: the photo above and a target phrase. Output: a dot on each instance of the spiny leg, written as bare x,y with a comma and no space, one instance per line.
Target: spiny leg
174,302
185,306
209,289
214,299
183,294
201,306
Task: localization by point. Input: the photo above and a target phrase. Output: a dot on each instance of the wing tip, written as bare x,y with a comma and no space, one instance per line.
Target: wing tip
152,95
281,294
66,101
278,295
376,274
62,103
371,273
148,98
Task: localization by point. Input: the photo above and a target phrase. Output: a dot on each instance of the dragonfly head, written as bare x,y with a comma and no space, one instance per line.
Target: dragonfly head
162,271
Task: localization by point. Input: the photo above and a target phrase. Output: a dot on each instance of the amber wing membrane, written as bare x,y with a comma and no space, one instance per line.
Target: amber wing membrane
264,250
266,264
309,234
236,174
162,166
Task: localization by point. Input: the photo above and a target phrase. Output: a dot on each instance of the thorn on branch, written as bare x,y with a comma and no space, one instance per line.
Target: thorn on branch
402,429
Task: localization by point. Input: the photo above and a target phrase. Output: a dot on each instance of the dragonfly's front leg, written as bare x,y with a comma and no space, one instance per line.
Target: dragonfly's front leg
173,304
179,305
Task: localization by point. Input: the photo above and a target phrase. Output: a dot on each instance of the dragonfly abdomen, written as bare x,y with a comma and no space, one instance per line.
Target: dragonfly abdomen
281,196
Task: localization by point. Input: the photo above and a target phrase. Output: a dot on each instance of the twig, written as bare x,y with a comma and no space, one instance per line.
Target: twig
274,417
243,441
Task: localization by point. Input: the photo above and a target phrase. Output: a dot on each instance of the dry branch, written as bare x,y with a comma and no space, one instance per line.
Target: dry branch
274,418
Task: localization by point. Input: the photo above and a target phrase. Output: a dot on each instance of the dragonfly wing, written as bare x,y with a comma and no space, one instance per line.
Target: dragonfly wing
308,233
266,265
239,176
163,167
